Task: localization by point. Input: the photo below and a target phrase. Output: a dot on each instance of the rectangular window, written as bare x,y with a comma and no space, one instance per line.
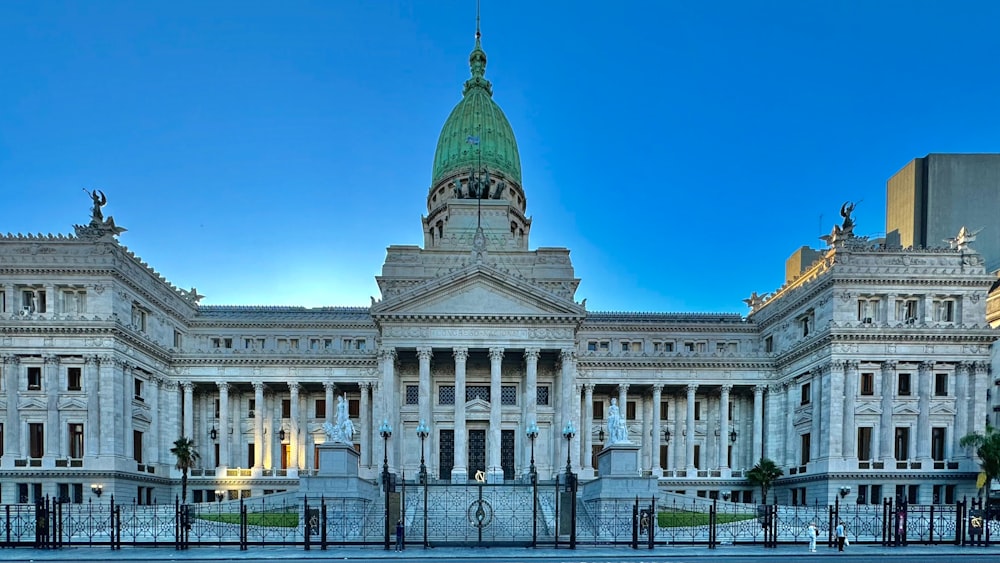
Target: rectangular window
73,379
76,440
508,395
481,392
137,387
542,395
663,456
354,408
78,493
286,408
412,394
806,395
36,439
320,410
864,443
663,346
940,384
34,378
937,443
697,456
137,445
664,410
944,310
868,310
250,454
867,384
598,410
178,339
216,408
902,443
697,410
251,408
806,445
138,317
769,345
862,494
906,311
903,384
630,410
446,395
876,494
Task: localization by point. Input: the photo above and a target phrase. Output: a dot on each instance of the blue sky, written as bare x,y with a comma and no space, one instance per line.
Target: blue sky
267,153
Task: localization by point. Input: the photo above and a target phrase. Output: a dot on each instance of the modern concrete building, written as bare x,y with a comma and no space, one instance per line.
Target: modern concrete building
865,369
932,197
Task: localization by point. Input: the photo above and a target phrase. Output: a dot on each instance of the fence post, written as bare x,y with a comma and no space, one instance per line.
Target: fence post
653,520
558,522
308,521
930,527
635,524
244,532
322,530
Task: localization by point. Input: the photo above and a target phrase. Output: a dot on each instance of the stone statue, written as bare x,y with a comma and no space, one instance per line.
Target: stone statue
847,228
617,430
457,188
962,239
99,201
343,431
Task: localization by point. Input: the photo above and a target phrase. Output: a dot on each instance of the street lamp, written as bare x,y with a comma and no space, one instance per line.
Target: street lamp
281,435
569,432
218,495
733,435
726,495
385,431
532,433
97,489
422,432
844,491
666,435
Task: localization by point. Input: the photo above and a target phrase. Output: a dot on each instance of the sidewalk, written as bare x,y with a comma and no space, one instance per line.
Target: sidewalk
483,553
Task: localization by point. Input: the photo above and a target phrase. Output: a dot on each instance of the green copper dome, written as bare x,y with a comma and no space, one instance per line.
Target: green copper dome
477,116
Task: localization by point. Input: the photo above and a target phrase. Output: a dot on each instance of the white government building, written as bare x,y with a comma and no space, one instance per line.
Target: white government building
864,370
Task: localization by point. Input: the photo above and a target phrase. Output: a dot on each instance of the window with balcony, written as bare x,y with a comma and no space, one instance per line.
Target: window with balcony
940,384
901,443
903,384
34,378
74,376
36,439
76,440
867,386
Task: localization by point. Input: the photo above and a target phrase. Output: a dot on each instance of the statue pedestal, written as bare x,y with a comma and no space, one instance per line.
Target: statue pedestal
619,477
337,476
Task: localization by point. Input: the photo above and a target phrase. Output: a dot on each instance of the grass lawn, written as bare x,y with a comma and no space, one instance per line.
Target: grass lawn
679,519
276,519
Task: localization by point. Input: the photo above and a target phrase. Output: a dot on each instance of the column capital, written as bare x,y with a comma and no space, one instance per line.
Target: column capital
258,387
496,353
223,386
623,387
425,352
461,353
532,354
187,385
567,354
691,388
293,387
588,387
331,386
925,366
758,390
852,365
888,366
51,359
657,388
387,353
726,388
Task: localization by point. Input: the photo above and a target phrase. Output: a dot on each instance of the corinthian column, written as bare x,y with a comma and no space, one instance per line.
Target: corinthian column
460,471
758,425
258,428
885,422
223,426
494,469
689,431
293,428
588,423
657,434
724,431
530,401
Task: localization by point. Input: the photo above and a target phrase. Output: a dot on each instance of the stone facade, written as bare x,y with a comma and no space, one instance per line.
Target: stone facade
864,370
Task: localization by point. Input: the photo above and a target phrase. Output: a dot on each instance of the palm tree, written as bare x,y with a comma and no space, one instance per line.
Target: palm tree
186,456
763,475
988,449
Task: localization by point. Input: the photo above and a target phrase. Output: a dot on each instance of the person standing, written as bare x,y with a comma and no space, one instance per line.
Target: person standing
841,535
399,535
812,531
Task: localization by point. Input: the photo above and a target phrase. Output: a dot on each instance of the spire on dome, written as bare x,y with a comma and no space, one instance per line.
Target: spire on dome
477,64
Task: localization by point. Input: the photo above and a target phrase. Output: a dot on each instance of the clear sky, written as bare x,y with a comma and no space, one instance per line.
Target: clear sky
268,152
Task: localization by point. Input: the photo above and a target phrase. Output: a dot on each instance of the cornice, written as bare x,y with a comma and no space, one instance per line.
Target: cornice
359,362
596,363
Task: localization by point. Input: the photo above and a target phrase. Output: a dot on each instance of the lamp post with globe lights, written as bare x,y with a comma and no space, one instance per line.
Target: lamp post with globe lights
386,432
423,432
569,432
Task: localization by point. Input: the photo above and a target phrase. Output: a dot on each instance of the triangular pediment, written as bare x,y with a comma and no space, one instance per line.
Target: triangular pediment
32,403
905,408
72,403
801,418
478,291
868,408
942,409
477,406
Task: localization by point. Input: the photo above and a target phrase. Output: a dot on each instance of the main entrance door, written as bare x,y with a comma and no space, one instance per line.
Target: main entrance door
507,453
446,453
477,451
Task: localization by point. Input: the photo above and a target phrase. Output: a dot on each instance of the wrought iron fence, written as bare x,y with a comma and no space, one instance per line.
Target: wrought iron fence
484,514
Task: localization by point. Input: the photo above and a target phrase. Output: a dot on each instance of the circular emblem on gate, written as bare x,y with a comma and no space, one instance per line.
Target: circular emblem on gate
480,513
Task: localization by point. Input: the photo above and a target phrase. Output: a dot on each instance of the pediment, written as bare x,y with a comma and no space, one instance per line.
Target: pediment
868,408
72,403
942,409
477,406
141,414
32,403
802,418
905,408
478,291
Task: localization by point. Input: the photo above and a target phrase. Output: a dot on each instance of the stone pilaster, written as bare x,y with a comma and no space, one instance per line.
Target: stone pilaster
924,413
588,424
494,471
188,406
689,434
724,431
885,421
792,444
365,425
53,430
836,400
757,424
12,422
293,428
424,356
531,356
850,431
224,460
962,374
328,388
